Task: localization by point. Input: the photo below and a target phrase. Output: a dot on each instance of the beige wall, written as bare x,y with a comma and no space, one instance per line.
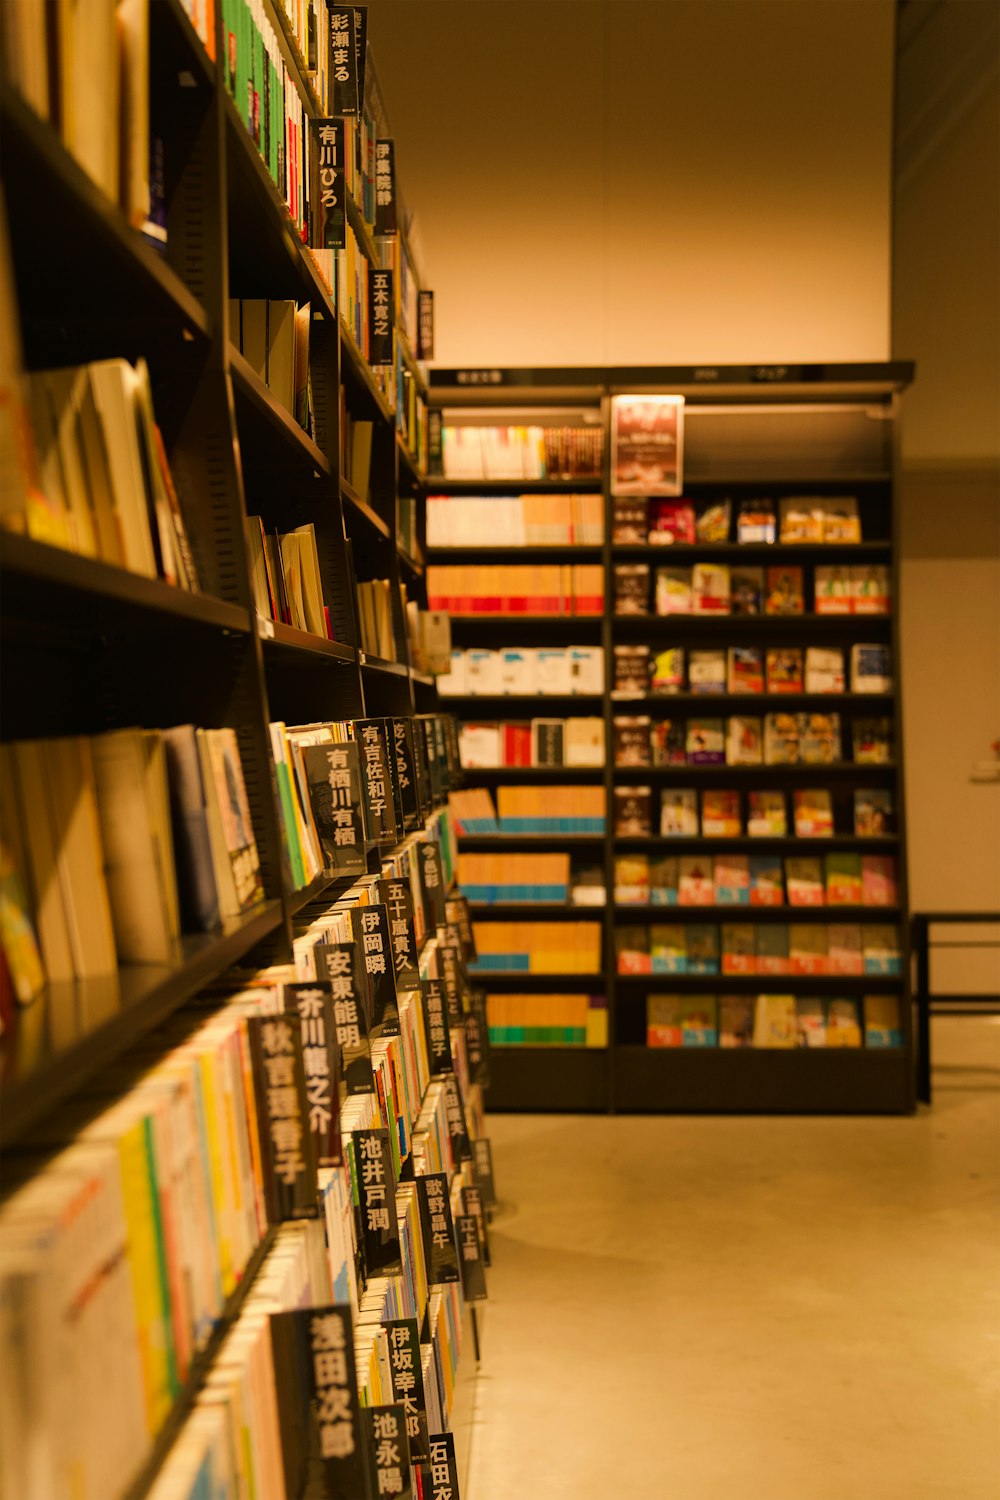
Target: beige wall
946,315
647,181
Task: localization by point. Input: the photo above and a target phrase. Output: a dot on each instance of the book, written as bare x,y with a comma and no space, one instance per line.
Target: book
772,949
667,671
819,739
736,1017
705,742
197,888
518,672
784,592
766,815
647,443
720,814
878,878
547,742
840,519
629,519
631,669
586,669
712,523
668,948
710,589
670,522
843,1023
843,879
679,814
810,1021
745,669
746,590
584,742
484,672
784,670
631,588
744,741
702,949
844,948
732,879
824,672
774,1021
756,522
668,742
696,886
633,811
234,847
882,1023
804,881
833,590
813,813
681,1021
873,812
871,669
663,880
673,591
133,803
807,947
631,740
801,519
781,739
870,590
767,885
632,879
739,948
880,949
872,741
632,950
707,671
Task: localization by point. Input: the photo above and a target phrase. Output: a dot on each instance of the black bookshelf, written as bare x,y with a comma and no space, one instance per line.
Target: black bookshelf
89,646
750,432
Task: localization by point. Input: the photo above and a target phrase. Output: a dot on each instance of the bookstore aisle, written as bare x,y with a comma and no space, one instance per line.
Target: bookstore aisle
740,1308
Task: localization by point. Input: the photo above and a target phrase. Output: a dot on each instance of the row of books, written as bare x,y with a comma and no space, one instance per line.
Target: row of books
356,438
841,879
521,452
782,1021
428,635
268,103
744,740
113,845
347,785
547,1020
273,338
717,589
638,519
640,670
538,947
87,74
98,479
540,878
722,813
515,521
523,671
120,1255
286,579
517,589
771,948
538,742
529,810
375,618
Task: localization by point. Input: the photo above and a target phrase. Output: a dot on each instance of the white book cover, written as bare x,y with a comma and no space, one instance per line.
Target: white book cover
518,675
553,670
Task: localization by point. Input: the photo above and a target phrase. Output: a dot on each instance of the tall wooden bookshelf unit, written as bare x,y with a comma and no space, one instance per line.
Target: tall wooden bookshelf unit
749,432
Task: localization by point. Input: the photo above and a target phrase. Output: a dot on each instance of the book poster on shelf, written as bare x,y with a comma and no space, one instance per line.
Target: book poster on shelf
344,60
425,336
313,1003
317,1386
330,194
407,1378
647,445
389,1447
385,187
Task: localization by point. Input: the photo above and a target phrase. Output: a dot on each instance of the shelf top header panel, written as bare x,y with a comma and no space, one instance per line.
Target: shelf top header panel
807,382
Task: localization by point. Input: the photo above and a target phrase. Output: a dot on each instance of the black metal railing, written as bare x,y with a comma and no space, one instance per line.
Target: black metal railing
966,1004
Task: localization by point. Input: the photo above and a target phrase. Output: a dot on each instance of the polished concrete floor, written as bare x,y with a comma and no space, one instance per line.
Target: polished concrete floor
747,1308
